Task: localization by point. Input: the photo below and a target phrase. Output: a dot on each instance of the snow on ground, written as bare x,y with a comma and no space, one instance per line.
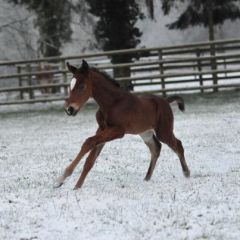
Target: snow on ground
115,202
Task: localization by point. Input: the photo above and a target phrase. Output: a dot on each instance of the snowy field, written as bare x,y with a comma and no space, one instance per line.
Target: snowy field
37,142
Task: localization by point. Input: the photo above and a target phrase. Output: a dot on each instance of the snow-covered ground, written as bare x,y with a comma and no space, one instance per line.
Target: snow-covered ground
37,143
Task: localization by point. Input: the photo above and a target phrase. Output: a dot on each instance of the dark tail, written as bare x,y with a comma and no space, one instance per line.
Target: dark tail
179,101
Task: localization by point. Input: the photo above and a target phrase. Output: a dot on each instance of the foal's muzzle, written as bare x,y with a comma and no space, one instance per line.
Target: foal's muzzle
71,111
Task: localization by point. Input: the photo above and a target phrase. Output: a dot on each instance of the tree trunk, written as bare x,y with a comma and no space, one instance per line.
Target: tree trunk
123,72
210,22
212,46
150,7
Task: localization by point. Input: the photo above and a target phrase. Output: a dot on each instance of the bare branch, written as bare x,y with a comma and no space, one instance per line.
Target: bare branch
14,22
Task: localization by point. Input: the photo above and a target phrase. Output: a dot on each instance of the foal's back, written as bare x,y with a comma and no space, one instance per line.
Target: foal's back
141,113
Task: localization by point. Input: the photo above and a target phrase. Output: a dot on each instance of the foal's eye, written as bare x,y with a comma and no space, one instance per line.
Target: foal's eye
81,86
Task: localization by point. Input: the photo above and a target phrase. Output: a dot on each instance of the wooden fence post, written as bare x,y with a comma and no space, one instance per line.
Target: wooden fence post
124,72
64,76
199,69
20,81
161,70
214,65
29,70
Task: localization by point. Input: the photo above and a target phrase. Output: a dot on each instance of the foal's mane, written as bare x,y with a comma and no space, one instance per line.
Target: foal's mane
106,76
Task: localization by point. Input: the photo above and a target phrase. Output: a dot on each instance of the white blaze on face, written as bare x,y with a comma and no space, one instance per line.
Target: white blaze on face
73,83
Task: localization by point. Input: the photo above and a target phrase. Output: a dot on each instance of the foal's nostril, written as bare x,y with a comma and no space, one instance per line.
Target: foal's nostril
70,110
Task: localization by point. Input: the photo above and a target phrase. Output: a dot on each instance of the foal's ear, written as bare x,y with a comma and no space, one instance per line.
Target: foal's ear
84,66
71,68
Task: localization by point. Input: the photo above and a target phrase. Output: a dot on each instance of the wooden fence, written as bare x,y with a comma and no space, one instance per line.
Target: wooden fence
205,66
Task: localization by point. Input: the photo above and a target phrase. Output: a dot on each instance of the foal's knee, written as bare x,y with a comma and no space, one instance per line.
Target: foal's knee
88,145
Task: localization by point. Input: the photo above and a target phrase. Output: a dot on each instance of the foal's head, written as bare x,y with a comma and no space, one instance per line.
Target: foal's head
79,90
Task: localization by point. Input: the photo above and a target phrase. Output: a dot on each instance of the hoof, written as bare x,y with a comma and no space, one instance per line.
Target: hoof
58,185
147,178
186,174
59,182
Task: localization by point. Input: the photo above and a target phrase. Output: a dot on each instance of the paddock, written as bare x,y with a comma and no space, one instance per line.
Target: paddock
38,141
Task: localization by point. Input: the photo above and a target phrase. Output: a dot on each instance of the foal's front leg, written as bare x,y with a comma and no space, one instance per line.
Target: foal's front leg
89,164
100,138
97,142
69,170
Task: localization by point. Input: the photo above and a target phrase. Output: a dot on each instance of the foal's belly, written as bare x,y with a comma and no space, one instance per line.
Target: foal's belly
137,131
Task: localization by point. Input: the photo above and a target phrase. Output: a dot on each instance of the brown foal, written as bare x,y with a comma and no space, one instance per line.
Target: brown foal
120,113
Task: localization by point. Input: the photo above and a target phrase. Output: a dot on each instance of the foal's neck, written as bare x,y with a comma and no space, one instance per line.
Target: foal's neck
104,93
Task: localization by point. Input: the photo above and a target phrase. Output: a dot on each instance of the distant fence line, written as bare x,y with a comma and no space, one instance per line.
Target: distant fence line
193,67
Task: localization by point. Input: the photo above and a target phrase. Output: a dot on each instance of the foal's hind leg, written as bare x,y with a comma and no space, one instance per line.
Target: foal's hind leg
176,145
155,147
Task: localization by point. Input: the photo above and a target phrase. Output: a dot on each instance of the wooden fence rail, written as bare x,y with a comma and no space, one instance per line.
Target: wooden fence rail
191,67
